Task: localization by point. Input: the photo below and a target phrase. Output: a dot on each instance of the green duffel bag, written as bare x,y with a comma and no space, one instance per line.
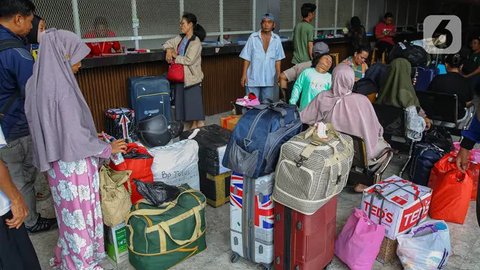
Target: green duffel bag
159,238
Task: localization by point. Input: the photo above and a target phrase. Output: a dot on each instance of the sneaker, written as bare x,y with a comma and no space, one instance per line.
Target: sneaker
43,224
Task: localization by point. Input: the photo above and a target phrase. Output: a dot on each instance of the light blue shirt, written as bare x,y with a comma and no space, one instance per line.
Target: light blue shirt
261,71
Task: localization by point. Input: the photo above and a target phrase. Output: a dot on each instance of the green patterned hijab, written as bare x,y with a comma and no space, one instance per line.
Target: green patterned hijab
398,89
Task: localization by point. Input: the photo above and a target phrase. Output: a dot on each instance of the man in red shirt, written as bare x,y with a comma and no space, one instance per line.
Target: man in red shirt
101,30
384,32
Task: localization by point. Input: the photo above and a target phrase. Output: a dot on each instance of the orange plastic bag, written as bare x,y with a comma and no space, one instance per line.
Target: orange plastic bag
451,195
447,163
139,161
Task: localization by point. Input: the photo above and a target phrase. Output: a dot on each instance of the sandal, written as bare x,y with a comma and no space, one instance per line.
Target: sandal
42,225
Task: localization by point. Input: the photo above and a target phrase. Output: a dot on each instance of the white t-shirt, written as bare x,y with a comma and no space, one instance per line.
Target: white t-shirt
4,201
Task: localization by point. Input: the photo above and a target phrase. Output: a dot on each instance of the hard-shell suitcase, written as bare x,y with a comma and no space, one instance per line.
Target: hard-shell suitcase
120,123
304,242
251,219
148,96
425,155
212,141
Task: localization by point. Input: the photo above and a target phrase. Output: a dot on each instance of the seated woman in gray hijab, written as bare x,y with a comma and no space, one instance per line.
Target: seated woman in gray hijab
65,144
350,113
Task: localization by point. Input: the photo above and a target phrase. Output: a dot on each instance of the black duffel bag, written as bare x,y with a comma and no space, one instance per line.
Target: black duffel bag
416,55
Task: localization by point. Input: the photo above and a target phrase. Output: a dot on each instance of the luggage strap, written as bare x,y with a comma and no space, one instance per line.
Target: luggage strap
377,192
310,148
163,228
5,45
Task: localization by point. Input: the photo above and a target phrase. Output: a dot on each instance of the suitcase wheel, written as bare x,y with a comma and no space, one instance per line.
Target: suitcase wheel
234,257
265,267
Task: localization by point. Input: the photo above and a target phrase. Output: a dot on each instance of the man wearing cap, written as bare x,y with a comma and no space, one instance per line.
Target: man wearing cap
262,57
292,73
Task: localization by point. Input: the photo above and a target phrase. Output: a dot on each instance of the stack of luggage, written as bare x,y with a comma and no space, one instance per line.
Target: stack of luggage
282,185
273,161
214,177
310,174
252,154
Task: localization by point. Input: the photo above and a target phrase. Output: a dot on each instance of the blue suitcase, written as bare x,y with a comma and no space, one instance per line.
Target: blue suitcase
149,95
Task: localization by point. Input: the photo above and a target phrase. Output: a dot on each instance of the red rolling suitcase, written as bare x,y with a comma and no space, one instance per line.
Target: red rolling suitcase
304,242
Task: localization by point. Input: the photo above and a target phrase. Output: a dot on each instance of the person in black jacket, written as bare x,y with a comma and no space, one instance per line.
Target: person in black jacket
470,137
454,83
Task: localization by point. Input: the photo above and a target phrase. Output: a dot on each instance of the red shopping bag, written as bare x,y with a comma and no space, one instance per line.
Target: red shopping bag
447,163
139,161
452,191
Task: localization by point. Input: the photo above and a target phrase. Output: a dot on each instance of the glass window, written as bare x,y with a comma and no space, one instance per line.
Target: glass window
115,15
344,11
47,8
326,13
151,23
237,15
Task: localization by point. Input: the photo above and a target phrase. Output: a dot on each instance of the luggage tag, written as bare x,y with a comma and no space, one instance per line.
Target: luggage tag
115,158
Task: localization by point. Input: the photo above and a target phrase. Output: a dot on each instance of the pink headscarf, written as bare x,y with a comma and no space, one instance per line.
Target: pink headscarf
349,112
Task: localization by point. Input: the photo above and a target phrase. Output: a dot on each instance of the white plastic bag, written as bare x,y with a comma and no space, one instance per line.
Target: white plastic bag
426,247
176,164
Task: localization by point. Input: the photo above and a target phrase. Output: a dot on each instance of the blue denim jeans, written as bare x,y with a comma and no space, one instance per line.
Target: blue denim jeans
263,93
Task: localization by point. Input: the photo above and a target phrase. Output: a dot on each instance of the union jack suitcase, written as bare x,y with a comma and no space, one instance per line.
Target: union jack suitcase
251,219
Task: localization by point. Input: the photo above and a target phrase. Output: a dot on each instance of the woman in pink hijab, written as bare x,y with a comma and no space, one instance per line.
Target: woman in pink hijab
349,113
65,144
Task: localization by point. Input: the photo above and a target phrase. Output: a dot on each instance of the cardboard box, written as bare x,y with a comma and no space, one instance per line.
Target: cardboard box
116,245
399,205
388,251
229,122
216,188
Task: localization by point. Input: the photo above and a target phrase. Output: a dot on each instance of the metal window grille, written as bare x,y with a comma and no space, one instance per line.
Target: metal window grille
158,20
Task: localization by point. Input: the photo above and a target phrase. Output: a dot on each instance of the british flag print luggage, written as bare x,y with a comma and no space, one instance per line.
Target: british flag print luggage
251,219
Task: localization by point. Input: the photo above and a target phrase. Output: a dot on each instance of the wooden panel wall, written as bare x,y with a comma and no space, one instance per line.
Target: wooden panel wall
106,87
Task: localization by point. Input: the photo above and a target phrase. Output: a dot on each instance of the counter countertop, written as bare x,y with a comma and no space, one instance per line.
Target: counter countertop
208,50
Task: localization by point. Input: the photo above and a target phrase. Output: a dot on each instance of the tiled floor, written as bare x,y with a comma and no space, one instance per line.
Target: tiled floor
465,238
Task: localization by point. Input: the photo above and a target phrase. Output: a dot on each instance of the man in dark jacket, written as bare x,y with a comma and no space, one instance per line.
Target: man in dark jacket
16,64
469,138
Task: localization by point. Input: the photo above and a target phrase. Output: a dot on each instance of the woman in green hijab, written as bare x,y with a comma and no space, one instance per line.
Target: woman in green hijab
398,91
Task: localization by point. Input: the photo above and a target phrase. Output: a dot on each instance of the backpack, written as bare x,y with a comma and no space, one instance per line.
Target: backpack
365,86
254,146
416,55
115,201
424,157
5,45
